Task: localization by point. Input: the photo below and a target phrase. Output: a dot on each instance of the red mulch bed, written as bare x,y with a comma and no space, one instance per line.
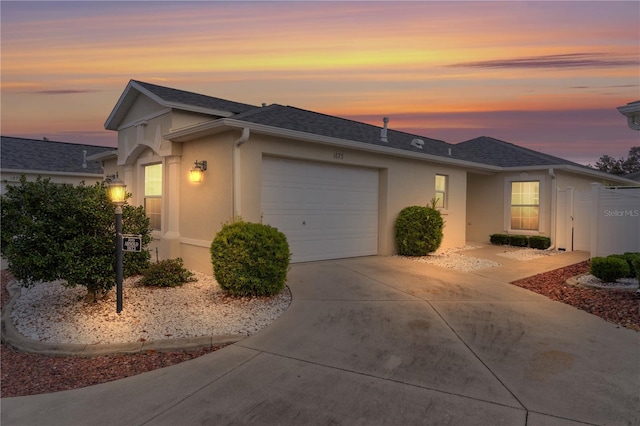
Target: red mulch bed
31,374
620,307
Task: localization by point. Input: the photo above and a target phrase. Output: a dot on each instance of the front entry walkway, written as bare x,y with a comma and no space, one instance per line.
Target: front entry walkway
383,340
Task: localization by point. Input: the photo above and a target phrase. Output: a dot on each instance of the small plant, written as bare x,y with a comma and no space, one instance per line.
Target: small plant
250,259
538,242
609,269
518,240
418,231
499,239
166,273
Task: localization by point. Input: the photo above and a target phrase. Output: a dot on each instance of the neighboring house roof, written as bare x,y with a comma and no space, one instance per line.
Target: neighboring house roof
173,98
632,112
25,155
633,176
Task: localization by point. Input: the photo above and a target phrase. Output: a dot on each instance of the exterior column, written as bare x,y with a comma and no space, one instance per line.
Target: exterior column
171,201
128,180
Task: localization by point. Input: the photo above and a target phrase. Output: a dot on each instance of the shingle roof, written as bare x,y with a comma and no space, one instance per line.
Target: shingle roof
482,150
194,99
633,176
495,152
291,118
33,154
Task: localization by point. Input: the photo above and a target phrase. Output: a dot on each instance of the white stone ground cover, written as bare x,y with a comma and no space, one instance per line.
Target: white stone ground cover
50,312
451,258
622,283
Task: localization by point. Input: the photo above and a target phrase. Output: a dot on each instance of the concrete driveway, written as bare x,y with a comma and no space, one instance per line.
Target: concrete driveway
382,340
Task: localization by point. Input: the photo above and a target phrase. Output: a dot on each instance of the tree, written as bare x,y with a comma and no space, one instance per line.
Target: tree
54,231
620,166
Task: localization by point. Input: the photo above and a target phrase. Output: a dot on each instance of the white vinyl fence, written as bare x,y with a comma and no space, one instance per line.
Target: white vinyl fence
602,221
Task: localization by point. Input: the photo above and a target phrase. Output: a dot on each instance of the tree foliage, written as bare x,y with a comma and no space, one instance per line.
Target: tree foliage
621,166
54,231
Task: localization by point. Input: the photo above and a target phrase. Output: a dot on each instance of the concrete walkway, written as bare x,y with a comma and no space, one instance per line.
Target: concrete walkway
383,340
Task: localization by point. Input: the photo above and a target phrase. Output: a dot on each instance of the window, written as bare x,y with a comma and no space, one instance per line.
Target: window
153,195
441,191
525,205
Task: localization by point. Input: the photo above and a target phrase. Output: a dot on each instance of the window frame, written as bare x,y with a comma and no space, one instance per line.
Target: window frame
152,161
525,177
445,192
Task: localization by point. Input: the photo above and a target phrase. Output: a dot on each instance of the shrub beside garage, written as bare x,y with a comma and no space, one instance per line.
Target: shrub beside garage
418,231
250,259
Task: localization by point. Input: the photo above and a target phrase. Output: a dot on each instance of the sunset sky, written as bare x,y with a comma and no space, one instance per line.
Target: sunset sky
544,75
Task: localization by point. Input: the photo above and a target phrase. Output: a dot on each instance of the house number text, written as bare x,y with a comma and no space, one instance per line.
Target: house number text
338,156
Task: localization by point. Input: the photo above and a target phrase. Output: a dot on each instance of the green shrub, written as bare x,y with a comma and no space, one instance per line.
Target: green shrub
609,269
518,240
166,273
53,231
630,258
499,239
538,242
250,259
418,231
636,266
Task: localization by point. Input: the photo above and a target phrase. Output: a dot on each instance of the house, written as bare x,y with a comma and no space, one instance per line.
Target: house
632,112
61,162
333,186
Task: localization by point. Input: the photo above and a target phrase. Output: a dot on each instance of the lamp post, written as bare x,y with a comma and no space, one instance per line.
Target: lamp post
118,194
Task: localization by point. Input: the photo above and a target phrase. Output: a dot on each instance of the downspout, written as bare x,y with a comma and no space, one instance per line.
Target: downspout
554,205
236,171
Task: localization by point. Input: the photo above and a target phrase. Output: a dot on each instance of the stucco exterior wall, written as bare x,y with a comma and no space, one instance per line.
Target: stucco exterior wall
403,182
488,201
203,208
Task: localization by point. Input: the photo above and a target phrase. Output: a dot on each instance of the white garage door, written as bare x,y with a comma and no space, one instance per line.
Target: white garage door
326,211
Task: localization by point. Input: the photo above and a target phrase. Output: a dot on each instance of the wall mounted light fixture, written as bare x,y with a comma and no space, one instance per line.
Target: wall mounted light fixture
197,171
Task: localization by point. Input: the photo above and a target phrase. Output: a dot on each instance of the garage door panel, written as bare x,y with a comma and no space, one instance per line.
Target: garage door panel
326,211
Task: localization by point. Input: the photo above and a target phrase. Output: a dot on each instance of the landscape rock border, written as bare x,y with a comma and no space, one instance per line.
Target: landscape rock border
581,281
12,337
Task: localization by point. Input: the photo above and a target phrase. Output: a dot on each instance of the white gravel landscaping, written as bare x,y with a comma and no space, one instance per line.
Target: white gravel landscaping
450,258
595,282
50,312
528,254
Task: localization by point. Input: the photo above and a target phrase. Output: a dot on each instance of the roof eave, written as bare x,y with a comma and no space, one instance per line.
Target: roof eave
127,98
51,173
597,174
102,156
216,126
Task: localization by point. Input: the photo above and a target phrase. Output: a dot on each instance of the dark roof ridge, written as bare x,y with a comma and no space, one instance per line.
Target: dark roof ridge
52,141
366,124
529,151
150,86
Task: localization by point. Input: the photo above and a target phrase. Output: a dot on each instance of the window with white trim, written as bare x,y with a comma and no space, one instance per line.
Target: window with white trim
525,205
442,183
153,194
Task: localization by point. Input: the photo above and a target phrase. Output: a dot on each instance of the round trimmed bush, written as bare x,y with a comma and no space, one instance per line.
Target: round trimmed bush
418,231
250,259
609,269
